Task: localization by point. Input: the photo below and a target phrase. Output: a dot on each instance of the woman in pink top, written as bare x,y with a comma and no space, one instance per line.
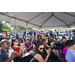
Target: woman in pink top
65,49
64,52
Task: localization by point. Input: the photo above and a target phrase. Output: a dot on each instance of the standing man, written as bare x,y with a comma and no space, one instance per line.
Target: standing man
70,35
57,33
34,33
51,33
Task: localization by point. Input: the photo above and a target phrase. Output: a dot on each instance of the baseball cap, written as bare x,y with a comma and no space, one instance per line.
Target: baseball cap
2,41
71,42
20,34
27,39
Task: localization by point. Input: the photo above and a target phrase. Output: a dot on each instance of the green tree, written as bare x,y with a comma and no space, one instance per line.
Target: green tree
6,28
1,26
55,30
21,28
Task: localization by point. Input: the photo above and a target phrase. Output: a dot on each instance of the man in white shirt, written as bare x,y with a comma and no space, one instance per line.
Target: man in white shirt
70,55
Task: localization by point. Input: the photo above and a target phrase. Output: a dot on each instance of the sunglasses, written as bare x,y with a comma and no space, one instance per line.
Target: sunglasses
16,41
41,48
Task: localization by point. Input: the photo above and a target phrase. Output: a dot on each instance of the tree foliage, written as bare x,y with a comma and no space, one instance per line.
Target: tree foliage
5,27
1,27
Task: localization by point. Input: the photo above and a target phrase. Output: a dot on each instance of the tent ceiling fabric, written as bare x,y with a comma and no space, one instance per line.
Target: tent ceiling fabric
40,19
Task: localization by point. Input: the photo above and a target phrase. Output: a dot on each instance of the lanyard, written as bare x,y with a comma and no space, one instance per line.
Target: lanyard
7,53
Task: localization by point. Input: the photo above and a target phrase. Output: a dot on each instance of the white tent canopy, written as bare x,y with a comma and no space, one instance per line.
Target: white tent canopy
40,19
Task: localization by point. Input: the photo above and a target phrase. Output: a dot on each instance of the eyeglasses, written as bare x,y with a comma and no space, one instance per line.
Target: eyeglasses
41,48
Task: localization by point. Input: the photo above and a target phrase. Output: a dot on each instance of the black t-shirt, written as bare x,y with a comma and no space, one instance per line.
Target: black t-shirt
42,54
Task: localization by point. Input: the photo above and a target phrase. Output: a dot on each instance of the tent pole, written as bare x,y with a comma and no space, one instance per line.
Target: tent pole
17,29
15,25
26,28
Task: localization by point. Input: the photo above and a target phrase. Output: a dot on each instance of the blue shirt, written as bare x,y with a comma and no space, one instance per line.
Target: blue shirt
73,39
30,41
0,39
21,41
52,39
38,41
70,55
30,33
74,33
34,33
47,32
51,34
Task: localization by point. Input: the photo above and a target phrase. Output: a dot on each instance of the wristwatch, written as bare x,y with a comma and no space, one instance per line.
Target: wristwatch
47,56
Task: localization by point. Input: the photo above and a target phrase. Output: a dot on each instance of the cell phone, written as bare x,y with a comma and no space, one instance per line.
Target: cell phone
46,47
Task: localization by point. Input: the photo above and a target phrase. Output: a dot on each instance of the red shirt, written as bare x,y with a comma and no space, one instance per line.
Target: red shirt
17,49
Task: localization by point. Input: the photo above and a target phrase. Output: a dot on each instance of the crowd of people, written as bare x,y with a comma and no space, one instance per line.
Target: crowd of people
37,48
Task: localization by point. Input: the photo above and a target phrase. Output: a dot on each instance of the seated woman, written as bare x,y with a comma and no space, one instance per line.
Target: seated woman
49,41
22,48
14,46
28,46
53,55
65,49
64,52
54,49
39,55
54,39
62,46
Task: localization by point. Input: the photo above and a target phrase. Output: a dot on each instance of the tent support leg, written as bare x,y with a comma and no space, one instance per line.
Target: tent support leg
15,25
17,29
26,29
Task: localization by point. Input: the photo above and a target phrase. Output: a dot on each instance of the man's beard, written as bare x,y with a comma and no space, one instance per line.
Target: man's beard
7,48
